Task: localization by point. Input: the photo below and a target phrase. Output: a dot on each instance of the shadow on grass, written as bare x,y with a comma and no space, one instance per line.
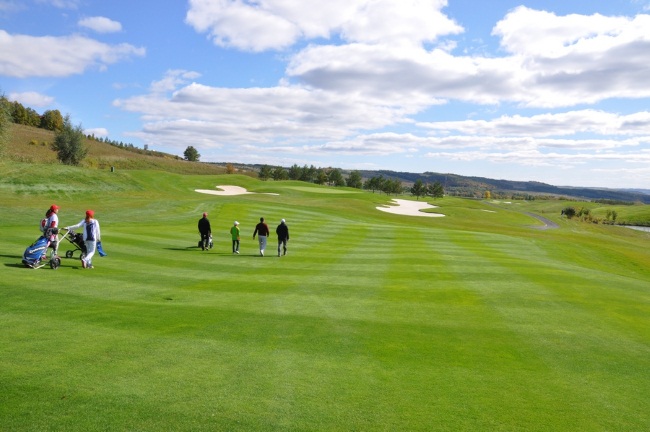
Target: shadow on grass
213,252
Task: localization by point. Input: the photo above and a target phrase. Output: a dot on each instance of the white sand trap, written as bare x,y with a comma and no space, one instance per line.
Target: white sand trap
410,208
229,191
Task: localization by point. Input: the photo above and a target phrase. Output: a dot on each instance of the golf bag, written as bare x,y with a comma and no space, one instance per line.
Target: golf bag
36,254
210,243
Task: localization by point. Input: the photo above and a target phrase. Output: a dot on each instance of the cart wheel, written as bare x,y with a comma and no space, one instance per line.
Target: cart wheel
55,263
68,254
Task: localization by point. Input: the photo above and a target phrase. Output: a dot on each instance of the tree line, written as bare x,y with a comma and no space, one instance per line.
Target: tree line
50,120
334,177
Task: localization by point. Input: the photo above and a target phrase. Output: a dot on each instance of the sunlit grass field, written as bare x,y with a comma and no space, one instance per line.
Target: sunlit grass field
479,320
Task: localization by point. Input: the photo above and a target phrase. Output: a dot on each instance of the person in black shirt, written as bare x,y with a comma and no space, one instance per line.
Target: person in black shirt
263,230
205,230
283,236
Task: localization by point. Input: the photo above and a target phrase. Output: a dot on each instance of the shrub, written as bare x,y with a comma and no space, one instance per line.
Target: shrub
569,212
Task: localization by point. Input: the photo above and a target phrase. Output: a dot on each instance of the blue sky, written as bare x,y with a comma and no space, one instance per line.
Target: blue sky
550,91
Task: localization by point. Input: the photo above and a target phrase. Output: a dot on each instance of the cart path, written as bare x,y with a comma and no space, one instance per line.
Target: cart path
548,224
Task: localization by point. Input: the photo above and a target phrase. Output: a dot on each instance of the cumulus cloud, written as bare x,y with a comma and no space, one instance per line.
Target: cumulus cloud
58,56
101,24
361,67
31,99
97,132
289,113
278,24
556,124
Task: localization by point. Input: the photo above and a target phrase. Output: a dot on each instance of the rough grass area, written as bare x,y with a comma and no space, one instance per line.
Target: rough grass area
33,146
373,321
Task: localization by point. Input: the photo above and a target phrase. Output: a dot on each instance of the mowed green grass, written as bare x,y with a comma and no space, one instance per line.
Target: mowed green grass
475,321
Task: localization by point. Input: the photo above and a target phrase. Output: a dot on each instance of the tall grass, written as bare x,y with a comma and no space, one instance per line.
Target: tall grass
373,321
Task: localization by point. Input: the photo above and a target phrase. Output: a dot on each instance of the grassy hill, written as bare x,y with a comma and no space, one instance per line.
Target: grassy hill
478,320
33,145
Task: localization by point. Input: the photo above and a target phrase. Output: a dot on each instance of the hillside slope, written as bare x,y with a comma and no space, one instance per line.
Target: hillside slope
33,145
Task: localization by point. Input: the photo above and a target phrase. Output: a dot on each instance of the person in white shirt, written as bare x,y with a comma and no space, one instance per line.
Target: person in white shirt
49,224
91,236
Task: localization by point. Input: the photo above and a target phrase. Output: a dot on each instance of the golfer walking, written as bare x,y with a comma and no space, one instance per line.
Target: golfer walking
49,224
234,233
205,230
91,235
283,236
262,231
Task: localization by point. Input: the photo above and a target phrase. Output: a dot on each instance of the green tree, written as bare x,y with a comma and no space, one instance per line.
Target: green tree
52,120
321,176
191,154
375,183
5,123
19,113
354,180
279,173
391,186
308,174
265,172
418,189
336,178
569,212
294,172
436,190
69,144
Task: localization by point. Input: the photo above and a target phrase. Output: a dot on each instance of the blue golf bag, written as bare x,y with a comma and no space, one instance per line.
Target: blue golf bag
35,255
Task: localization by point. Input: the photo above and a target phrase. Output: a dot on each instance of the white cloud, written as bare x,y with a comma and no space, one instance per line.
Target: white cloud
278,24
58,56
31,99
61,4
221,116
101,24
97,132
567,61
567,123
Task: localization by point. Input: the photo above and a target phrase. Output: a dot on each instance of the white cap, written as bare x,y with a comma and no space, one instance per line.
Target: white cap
283,220
236,223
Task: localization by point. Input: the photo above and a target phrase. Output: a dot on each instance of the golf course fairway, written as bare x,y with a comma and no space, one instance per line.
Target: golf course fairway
473,321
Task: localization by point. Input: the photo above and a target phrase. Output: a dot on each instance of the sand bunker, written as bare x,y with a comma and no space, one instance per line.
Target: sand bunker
228,190
410,208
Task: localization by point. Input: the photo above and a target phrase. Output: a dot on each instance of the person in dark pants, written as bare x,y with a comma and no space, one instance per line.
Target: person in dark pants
205,230
283,236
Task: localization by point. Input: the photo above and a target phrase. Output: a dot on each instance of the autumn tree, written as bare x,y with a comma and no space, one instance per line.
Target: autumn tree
52,120
230,169
5,120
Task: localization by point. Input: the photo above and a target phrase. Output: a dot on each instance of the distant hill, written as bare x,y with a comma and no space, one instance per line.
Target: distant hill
476,186
32,145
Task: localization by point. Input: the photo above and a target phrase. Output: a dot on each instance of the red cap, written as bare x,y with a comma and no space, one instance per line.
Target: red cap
205,214
90,213
54,207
